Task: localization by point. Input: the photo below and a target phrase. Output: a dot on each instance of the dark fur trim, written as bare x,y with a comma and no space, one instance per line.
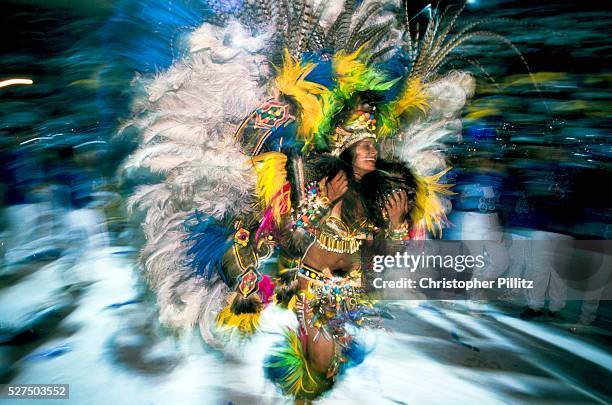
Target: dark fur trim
249,305
284,293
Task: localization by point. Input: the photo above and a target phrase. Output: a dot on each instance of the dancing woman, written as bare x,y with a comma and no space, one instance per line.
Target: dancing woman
274,178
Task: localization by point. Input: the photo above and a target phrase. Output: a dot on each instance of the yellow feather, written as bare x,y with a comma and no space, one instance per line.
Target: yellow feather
311,98
412,97
348,67
429,209
245,323
272,182
292,302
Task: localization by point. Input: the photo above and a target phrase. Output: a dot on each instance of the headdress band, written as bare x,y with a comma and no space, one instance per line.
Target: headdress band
344,139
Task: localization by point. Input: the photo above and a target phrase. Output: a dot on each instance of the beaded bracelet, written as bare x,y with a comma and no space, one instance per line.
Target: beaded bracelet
401,233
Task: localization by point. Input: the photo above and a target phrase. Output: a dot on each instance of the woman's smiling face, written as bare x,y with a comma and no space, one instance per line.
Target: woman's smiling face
365,158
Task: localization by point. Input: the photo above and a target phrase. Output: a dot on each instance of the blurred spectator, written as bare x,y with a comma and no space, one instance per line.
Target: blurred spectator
474,216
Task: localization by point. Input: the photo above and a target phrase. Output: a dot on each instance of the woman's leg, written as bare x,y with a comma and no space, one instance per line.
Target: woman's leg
320,349
320,346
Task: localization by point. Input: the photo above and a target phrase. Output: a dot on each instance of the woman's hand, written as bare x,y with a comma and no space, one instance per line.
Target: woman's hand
397,208
334,188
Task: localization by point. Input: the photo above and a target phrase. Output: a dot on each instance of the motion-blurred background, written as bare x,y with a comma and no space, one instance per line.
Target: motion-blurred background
534,160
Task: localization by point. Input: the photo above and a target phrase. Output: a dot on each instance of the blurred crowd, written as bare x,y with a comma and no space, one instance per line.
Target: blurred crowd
53,205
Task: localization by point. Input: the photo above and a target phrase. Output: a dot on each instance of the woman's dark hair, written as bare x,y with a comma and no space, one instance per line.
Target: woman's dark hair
354,204
376,186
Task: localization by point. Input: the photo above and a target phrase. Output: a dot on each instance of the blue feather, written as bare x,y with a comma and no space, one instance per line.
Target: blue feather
394,67
140,36
355,354
322,73
210,240
284,138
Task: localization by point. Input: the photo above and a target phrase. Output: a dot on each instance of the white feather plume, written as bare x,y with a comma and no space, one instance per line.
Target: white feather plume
187,119
420,143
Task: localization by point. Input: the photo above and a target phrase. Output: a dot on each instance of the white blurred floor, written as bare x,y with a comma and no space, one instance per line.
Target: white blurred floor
95,327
